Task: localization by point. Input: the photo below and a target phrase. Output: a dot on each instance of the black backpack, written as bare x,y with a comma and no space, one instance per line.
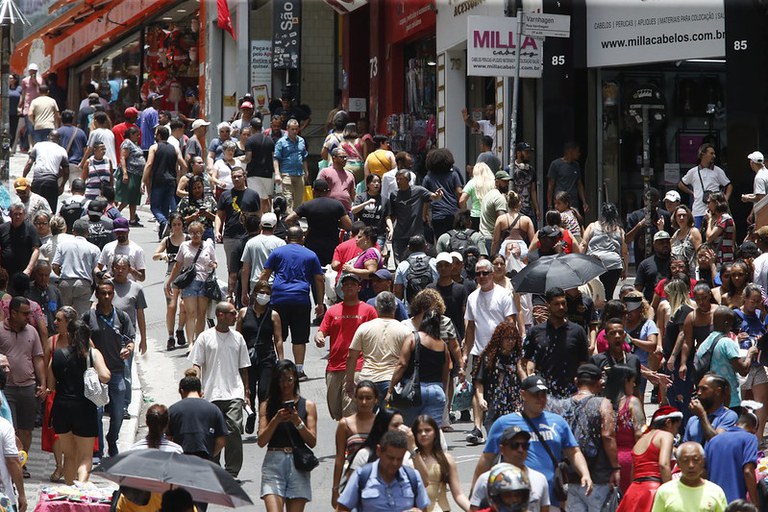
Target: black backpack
460,240
702,361
71,211
418,276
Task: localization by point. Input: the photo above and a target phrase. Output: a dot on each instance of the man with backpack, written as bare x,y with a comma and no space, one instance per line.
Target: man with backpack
416,272
461,236
385,483
74,207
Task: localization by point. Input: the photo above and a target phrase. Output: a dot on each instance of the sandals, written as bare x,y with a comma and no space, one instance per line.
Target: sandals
57,475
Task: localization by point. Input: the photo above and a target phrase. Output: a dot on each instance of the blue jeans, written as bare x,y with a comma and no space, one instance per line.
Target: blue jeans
128,382
117,399
41,135
432,404
578,502
162,201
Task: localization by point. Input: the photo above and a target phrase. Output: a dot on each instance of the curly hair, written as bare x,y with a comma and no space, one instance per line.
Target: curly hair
425,300
503,331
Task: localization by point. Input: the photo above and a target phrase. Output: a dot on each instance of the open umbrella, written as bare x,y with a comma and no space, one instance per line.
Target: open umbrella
158,471
562,270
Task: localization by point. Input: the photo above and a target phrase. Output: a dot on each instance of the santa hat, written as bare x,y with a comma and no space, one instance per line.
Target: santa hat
666,412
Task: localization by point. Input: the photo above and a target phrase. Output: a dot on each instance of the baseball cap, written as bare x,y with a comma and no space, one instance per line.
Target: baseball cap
93,96
502,175
154,96
748,249
21,184
32,67
350,276
224,126
121,225
550,231
443,257
589,371
97,206
457,256
383,274
321,185
672,196
512,432
246,104
197,123
661,235
131,112
533,384
269,220
756,157
524,146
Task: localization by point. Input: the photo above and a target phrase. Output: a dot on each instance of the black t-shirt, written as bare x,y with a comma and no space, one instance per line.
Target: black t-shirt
605,362
674,326
233,202
557,353
17,245
650,271
323,215
406,207
262,148
455,297
638,216
100,231
372,215
164,165
109,334
581,310
195,423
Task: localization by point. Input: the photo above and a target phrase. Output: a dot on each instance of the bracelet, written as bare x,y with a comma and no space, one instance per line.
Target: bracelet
301,426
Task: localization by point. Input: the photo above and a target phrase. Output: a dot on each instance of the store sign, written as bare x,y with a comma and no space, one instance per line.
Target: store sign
286,29
492,49
261,72
641,31
546,25
452,18
408,18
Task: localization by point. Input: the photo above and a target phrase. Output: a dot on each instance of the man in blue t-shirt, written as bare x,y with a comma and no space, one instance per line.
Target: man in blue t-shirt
710,416
732,458
550,427
295,268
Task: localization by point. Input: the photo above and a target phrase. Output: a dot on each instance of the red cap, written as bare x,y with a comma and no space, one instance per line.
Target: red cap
131,113
666,412
246,104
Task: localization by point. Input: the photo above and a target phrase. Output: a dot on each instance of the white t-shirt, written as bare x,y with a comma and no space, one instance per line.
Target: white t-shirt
224,173
48,157
220,356
712,179
486,128
487,310
133,250
108,138
165,446
538,498
760,185
256,252
761,271
8,443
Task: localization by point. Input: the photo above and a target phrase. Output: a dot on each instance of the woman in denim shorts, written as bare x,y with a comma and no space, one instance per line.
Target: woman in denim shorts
195,303
286,420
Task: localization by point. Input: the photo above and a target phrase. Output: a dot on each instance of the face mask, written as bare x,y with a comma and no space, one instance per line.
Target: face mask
262,299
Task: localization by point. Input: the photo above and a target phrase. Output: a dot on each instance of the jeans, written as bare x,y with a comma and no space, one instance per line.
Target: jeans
41,135
432,404
162,202
128,381
578,502
382,387
117,399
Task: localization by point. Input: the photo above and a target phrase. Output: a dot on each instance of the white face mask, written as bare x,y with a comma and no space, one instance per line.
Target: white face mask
262,299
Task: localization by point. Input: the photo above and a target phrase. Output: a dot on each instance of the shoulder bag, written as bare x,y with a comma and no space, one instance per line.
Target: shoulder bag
407,392
303,457
94,390
560,480
211,288
187,274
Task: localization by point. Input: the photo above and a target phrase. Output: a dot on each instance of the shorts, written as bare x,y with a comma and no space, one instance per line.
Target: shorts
232,248
280,477
194,290
23,404
77,416
265,187
757,375
295,316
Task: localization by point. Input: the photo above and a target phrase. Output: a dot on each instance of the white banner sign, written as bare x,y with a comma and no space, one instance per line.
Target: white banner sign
640,31
547,25
492,51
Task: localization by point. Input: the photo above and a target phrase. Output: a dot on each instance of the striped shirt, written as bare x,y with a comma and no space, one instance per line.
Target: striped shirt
98,174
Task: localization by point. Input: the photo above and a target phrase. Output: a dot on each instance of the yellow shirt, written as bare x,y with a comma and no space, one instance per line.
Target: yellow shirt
378,162
674,496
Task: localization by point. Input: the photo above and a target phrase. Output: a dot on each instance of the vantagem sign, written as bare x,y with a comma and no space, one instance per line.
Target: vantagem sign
640,31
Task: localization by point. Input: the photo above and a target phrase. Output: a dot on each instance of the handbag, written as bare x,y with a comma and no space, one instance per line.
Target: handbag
706,193
187,274
407,392
611,503
560,480
94,390
303,457
211,288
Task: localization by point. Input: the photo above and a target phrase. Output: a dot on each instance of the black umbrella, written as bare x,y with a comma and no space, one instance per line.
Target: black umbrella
157,471
562,270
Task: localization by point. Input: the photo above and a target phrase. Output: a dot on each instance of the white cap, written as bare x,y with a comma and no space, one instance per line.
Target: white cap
198,123
269,220
756,157
32,67
672,196
223,125
443,257
457,256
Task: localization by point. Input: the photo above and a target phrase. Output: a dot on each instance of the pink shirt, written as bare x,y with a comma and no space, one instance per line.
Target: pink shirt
29,91
340,184
21,348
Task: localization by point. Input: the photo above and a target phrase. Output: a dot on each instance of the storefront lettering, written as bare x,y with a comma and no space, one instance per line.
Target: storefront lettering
495,39
466,6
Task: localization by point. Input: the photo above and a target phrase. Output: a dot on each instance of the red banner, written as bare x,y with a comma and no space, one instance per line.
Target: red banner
225,18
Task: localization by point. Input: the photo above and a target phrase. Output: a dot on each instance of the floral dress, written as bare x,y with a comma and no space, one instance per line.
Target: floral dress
188,206
501,384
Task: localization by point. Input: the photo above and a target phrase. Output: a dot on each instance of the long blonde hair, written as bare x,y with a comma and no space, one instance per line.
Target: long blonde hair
483,179
678,294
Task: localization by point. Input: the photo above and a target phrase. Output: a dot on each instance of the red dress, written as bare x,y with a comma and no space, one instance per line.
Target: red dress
639,496
625,441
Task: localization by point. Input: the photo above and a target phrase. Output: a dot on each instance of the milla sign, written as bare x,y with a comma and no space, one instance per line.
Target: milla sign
492,48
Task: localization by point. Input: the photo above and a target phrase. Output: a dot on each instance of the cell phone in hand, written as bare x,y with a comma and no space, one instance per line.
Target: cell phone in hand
289,404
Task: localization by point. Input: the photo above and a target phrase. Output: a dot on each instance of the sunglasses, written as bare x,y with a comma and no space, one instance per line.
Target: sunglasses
516,445
482,273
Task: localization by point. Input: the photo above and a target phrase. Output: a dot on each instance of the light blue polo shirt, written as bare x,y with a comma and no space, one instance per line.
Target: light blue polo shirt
721,418
378,496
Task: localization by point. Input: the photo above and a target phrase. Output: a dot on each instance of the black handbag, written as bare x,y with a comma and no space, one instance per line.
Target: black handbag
407,392
562,468
187,274
303,457
211,288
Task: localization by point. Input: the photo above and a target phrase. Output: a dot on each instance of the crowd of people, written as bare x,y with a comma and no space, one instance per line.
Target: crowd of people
408,279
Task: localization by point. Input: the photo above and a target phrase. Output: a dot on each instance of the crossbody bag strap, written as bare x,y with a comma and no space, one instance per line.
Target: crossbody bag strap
417,342
197,255
541,439
698,170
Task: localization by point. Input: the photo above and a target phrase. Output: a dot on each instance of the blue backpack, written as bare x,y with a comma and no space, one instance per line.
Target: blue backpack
364,474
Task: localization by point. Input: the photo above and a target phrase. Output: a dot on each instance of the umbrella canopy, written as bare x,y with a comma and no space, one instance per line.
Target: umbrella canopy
562,270
157,471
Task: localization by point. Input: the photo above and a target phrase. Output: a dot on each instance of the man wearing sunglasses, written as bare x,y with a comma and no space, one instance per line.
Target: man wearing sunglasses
513,449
